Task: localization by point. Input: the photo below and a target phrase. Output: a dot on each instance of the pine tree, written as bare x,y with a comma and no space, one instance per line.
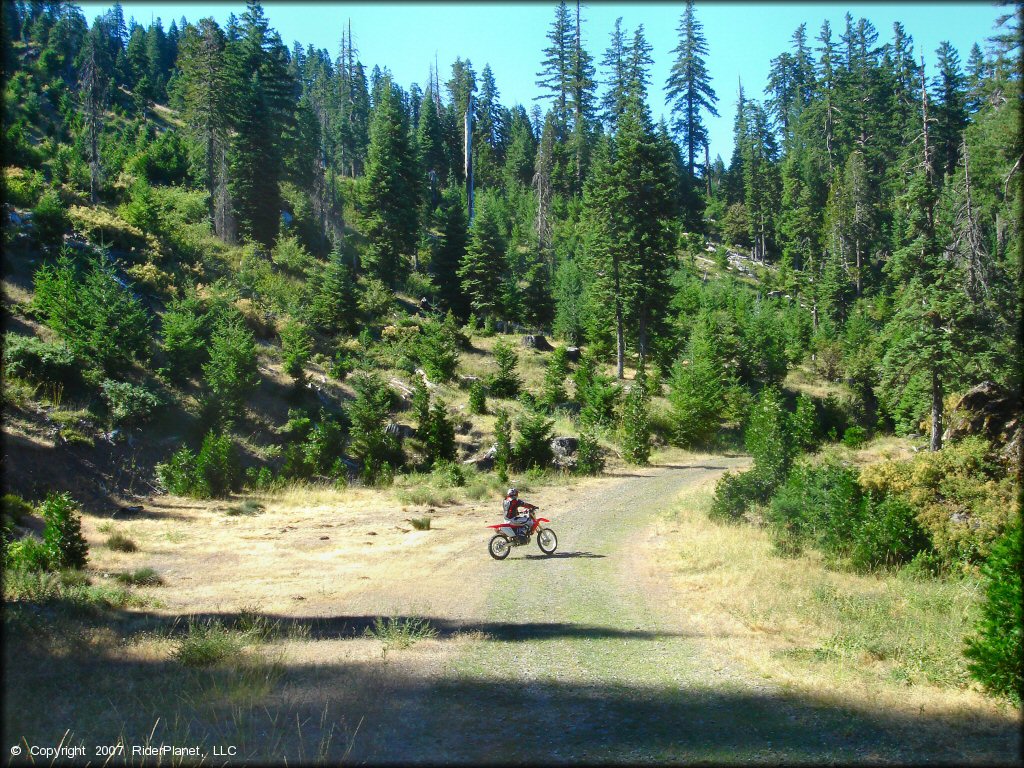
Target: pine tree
689,85
615,62
440,439
696,391
949,92
449,255
555,77
503,444
390,200
369,440
332,306
636,421
203,85
557,369
484,268
261,105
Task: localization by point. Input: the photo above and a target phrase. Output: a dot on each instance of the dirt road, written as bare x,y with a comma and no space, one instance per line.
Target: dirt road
590,656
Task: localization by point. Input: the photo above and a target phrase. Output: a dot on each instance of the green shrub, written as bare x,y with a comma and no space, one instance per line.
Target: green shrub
177,475
554,379
420,523
437,348
289,254
322,447
400,632
734,494
230,373
121,543
248,507
533,446
477,398
207,643
589,456
342,365
636,422
95,314
369,441
503,444
27,554
506,382
961,495
65,545
129,404
448,474
855,437
212,473
888,535
440,439
216,468
184,332
23,188
767,440
29,357
296,347
803,424
50,218
596,393
995,651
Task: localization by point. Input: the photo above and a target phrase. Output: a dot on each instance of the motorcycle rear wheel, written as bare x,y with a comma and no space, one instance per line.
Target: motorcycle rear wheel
547,541
499,546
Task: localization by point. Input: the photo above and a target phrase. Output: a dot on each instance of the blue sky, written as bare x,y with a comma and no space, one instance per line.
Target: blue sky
742,37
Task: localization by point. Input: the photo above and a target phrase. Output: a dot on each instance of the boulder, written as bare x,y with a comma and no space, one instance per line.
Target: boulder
401,431
485,460
536,341
572,354
564,450
988,410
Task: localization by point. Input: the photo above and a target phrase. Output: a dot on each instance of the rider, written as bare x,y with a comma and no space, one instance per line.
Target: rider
512,506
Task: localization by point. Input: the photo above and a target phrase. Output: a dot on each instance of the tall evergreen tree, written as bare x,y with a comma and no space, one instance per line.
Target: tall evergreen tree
483,269
390,202
689,85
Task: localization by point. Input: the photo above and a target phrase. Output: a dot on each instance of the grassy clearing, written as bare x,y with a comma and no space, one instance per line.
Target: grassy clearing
896,639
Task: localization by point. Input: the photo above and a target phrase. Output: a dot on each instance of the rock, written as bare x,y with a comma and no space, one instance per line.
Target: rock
401,431
537,341
485,460
426,382
572,354
988,410
564,449
464,427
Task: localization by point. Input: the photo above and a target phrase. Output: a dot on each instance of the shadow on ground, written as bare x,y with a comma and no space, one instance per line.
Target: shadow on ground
563,556
100,690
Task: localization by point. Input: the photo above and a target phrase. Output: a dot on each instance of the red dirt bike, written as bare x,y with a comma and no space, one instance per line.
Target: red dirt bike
509,535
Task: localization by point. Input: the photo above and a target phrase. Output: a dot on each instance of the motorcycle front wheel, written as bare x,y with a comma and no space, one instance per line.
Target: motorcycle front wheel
499,546
547,541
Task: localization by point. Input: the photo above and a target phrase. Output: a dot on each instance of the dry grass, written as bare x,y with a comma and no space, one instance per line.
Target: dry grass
802,380
863,639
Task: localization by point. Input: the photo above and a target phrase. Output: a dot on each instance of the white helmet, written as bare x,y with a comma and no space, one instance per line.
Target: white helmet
512,493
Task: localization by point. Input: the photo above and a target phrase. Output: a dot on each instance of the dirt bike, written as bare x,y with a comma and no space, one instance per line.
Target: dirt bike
510,535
